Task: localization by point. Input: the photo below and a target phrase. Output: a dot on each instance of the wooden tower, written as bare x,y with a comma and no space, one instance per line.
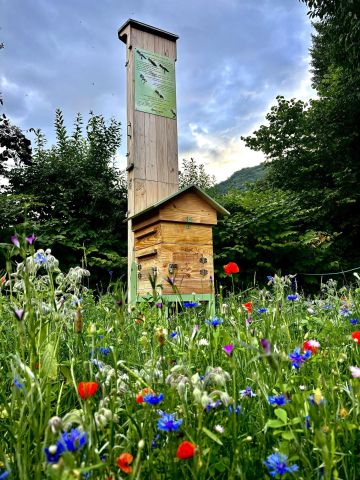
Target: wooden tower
152,150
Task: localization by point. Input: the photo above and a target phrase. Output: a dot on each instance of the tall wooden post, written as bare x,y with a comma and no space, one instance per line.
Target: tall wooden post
152,151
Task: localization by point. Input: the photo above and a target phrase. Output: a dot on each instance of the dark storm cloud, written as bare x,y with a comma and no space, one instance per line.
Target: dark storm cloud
234,57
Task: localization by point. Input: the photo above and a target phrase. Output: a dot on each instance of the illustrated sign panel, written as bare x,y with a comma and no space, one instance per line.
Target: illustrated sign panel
154,84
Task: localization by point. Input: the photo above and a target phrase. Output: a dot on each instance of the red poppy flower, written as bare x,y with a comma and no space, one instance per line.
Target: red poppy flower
124,461
140,396
312,345
231,268
356,336
248,306
87,389
185,450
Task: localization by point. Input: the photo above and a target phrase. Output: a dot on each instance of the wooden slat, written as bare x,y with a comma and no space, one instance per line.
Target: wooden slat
188,205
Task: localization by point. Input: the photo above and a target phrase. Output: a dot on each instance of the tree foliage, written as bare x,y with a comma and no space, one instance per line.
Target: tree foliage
73,195
313,150
193,173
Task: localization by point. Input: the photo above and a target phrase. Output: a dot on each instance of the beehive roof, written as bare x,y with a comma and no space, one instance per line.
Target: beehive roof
191,188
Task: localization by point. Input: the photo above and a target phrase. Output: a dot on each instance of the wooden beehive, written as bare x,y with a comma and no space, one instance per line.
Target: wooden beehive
173,239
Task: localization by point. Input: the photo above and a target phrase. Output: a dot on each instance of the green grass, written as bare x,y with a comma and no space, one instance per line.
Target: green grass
66,337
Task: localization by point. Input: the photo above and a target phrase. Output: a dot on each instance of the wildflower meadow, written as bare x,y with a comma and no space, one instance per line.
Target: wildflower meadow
266,386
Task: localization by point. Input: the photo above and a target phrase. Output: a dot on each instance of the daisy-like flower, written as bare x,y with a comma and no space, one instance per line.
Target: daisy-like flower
167,422
219,429
203,342
277,464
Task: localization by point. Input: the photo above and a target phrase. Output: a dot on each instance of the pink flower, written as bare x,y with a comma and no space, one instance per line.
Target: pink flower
31,239
228,349
355,372
15,241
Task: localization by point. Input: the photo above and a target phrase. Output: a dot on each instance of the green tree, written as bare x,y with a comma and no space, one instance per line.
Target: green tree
73,196
193,173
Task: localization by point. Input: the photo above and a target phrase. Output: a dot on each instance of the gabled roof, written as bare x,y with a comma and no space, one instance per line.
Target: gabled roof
191,188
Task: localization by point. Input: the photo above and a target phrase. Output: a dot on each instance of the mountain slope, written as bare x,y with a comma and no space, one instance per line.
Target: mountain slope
241,177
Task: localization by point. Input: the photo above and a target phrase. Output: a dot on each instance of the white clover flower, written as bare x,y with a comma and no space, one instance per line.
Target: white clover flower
219,429
202,342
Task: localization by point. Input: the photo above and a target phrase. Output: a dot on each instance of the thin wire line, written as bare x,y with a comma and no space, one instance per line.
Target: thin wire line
329,273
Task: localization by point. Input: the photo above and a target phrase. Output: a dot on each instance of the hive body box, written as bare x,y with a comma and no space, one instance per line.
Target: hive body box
173,240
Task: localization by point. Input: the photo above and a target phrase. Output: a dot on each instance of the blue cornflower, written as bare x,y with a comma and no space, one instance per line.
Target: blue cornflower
327,307
212,405
247,392
53,452
154,442
17,383
279,400
173,334
237,409
297,359
104,350
167,422
345,312
4,474
292,297
276,463
214,322
40,258
73,440
307,422
354,321
98,363
262,310
153,399
190,304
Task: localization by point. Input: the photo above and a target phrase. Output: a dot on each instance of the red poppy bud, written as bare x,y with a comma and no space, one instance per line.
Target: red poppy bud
231,268
87,389
185,450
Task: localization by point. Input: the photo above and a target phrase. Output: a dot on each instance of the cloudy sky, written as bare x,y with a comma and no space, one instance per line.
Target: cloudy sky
234,57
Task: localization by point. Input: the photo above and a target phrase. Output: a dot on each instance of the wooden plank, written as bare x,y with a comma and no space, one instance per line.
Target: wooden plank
172,150
150,148
173,233
189,205
140,195
151,192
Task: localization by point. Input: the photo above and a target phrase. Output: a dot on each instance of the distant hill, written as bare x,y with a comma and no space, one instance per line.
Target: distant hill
241,177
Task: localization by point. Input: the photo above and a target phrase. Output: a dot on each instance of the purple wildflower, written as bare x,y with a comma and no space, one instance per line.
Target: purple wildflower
228,349
31,239
15,241
247,392
266,346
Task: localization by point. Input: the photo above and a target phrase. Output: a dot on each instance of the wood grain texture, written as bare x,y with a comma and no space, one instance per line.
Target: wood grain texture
173,233
188,278
188,205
